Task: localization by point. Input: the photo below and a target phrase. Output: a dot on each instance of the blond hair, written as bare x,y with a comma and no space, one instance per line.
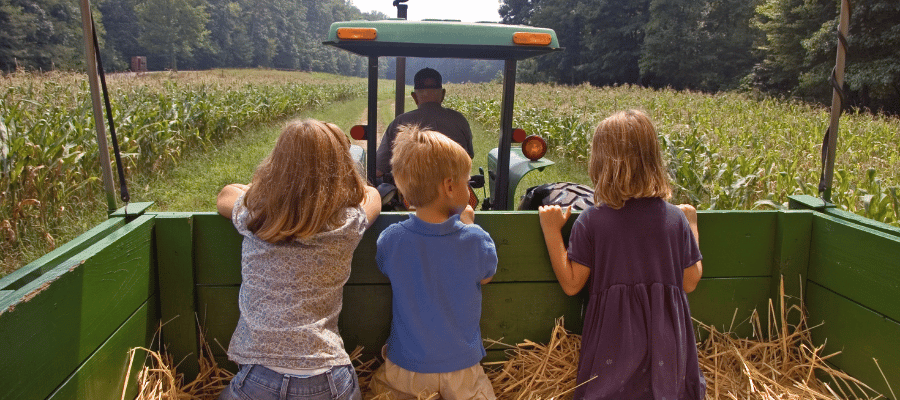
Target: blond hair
626,161
422,159
305,184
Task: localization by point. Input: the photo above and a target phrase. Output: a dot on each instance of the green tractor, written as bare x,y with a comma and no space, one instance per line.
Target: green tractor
454,39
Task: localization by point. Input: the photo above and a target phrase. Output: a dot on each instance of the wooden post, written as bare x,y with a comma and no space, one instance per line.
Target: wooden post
836,100
90,55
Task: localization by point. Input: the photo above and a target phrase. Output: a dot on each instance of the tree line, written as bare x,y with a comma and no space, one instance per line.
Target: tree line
782,47
179,34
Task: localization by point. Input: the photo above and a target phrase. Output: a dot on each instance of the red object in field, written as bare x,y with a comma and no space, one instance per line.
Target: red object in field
358,132
534,147
518,135
473,199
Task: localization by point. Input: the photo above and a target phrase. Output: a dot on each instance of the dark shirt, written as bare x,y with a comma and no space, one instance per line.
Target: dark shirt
429,115
638,337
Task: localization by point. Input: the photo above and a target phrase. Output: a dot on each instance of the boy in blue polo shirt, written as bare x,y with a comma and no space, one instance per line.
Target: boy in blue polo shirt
436,261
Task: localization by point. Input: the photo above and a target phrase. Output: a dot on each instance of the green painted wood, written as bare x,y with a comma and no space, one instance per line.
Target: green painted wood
33,270
132,209
511,311
366,317
737,243
791,258
807,202
102,376
859,333
727,303
856,262
217,309
174,253
71,310
363,269
217,250
815,203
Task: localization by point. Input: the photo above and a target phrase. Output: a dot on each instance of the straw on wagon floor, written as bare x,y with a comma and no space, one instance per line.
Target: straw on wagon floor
784,366
160,380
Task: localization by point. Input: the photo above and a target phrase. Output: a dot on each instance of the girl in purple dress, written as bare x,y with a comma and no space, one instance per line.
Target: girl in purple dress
641,253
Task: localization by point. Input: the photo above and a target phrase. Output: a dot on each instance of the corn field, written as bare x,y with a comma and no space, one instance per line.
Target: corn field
48,150
724,151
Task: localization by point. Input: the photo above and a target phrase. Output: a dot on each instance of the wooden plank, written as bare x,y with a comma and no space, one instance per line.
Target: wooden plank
727,303
859,333
132,209
815,203
69,311
174,253
217,250
856,262
519,311
217,309
102,376
28,273
510,311
737,243
791,258
363,268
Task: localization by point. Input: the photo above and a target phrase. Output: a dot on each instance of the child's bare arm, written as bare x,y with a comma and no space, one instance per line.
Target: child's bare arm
467,216
371,204
227,196
693,273
572,276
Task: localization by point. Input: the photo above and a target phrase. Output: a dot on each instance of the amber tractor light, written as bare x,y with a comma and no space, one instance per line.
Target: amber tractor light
357,33
534,147
532,38
358,132
518,135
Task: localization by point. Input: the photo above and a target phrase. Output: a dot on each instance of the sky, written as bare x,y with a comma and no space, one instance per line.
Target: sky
464,10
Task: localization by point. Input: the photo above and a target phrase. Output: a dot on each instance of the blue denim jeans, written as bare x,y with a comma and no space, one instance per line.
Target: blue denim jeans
255,382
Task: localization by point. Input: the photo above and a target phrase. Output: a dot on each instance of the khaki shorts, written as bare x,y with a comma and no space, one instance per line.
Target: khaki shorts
401,384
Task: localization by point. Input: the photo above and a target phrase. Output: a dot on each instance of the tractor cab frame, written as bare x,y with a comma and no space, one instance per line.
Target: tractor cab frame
452,39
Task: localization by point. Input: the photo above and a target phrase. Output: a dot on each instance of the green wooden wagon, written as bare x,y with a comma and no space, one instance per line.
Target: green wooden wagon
68,320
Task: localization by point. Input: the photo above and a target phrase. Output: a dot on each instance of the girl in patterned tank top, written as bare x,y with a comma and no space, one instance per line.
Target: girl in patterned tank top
301,217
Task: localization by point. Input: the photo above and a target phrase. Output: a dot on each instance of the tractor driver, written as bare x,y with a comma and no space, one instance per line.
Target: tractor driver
428,95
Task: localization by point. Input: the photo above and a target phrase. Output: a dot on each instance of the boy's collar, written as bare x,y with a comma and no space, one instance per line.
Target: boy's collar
447,227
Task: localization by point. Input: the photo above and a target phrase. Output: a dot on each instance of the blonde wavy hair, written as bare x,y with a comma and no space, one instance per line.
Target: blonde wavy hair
422,159
626,161
305,184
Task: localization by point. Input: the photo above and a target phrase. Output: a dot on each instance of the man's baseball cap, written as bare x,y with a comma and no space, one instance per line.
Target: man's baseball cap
427,78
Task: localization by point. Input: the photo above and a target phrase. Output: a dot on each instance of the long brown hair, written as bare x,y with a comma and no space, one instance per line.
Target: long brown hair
626,161
304,185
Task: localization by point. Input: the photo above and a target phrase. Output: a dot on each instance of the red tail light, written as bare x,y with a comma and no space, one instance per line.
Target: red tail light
534,147
358,132
518,135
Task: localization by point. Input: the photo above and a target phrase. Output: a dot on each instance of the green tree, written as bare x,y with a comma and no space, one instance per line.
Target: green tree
872,74
613,40
41,35
784,25
175,28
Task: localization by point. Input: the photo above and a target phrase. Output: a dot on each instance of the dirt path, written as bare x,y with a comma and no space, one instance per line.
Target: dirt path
384,106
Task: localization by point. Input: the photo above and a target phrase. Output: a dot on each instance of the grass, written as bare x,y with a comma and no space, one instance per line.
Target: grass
49,185
192,185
